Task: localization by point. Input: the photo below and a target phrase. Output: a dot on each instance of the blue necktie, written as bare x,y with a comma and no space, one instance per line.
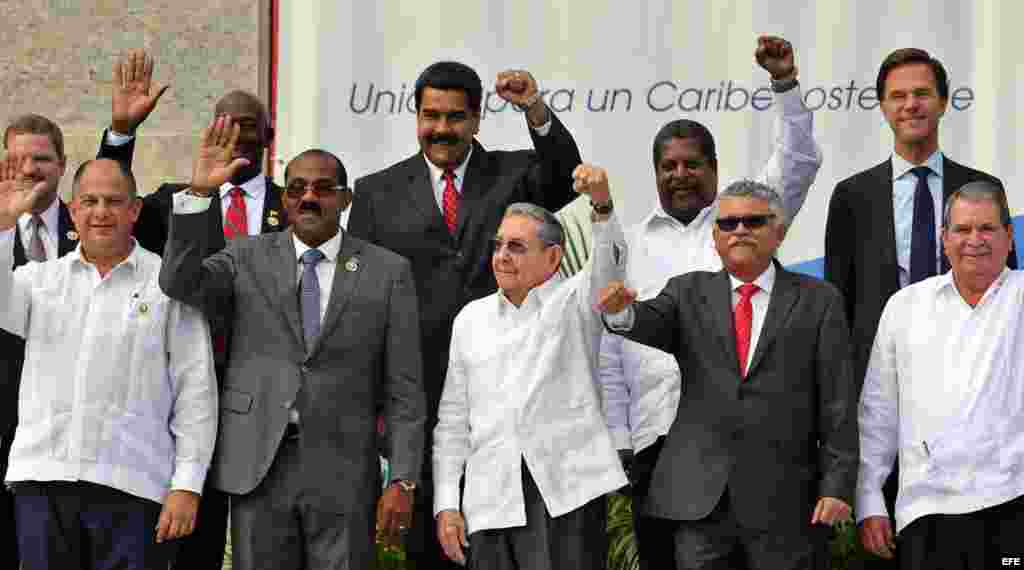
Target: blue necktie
922,241
309,297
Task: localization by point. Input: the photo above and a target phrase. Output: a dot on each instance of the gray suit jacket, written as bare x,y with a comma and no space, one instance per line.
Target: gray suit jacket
367,358
781,438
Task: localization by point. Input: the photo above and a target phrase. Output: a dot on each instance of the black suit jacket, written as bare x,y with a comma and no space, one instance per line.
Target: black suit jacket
781,438
12,347
860,246
395,208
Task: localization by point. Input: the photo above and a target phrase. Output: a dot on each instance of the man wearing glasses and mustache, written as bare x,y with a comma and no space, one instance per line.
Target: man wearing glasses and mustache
762,454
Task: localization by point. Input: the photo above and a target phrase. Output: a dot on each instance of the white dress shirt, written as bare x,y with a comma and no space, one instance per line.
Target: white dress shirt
51,219
945,390
522,386
641,384
118,386
904,186
255,193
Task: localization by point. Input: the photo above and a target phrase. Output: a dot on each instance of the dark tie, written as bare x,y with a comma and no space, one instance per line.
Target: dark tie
450,202
922,241
744,321
309,298
235,221
36,251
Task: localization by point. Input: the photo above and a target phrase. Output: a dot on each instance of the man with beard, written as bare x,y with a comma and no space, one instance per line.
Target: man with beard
247,205
45,233
441,207
642,384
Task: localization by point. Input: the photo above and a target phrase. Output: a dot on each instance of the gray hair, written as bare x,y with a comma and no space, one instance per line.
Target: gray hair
979,191
550,231
759,191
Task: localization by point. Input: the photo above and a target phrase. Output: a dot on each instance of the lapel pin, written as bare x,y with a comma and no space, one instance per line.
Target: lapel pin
143,308
272,219
72,235
352,264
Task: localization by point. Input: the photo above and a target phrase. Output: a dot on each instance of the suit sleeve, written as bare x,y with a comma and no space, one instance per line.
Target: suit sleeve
549,183
360,220
840,238
406,407
184,275
152,226
656,321
837,400
122,153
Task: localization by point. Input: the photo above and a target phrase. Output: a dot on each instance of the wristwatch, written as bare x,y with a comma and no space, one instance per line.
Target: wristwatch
602,209
781,86
405,484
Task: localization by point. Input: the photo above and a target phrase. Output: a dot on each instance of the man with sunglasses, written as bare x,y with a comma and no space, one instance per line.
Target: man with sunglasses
642,384
520,415
762,454
325,337
247,205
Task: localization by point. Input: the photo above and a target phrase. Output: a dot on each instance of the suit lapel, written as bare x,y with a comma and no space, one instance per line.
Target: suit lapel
346,274
19,249
284,265
479,178
719,298
65,231
216,221
784,296
882,210
273,219
953,178
421,192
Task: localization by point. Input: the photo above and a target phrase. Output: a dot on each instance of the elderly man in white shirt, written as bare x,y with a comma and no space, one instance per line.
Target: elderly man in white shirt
642,384
117,404
520,414
944,392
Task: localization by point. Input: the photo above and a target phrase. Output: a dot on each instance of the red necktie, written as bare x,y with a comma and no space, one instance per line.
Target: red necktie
743,319
235,222
450,202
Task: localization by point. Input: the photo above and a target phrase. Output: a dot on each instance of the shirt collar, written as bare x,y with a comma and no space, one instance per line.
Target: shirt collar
460,172
131,262
255,188
50,217
765,281
945,284
901,167
536,296
658,214
329,248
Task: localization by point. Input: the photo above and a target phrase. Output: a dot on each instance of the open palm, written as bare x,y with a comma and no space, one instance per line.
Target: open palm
135,96
16,196
213,164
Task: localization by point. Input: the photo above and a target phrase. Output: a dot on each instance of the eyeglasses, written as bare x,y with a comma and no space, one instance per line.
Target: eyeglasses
513,246
749,222
322,188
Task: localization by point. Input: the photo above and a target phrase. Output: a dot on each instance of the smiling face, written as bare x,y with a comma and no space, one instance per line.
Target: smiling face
747,252
687,180
104,211
976,242
314,216
912,107
445,126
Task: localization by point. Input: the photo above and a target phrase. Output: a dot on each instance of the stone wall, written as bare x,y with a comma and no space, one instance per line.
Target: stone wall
58,58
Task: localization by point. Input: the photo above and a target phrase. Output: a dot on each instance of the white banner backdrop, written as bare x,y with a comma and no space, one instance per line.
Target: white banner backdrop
616,71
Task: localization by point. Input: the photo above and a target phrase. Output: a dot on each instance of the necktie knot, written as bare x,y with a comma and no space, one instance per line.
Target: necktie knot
748,290
312,257
921,172
236,191
449,175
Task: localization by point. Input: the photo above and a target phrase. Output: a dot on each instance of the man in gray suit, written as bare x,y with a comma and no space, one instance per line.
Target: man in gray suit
762,455
325,335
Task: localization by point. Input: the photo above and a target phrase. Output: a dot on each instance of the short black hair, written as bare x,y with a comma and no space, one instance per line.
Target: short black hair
451,76
686,129
339,168
907,56
126,172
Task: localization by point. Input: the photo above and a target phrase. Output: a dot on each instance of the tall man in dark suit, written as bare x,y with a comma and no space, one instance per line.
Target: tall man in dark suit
47,233
325,335
247,205
763,452
440,208
883,223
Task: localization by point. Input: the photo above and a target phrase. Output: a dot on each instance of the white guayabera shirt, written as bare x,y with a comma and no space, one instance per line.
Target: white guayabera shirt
522,386
118,385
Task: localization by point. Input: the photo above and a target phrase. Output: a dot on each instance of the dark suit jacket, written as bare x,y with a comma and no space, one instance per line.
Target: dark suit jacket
395,208
12,347
367,357
860,246
781,438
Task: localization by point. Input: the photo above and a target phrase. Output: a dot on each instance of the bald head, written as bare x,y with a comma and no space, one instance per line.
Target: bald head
111,171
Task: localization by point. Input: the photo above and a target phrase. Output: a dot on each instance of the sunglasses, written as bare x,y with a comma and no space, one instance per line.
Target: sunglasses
749,222
321,188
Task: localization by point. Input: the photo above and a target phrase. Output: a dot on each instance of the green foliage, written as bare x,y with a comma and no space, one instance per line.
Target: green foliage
622,551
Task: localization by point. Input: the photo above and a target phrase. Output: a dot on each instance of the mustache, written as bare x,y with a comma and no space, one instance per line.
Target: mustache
444,139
